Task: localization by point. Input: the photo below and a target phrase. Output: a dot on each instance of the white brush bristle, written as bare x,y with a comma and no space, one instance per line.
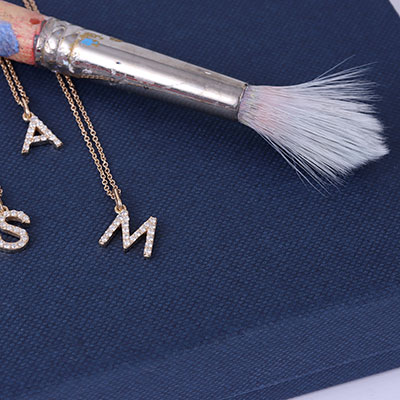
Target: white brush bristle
325,128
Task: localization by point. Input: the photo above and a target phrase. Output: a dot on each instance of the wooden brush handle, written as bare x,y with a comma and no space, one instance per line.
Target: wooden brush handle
25,25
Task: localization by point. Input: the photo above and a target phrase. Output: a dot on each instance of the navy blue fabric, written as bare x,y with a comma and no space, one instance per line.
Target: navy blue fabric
259,287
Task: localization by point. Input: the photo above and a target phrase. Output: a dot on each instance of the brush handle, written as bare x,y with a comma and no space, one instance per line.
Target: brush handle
72,50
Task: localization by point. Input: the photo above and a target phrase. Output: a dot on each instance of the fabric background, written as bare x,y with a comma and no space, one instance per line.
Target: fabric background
259,286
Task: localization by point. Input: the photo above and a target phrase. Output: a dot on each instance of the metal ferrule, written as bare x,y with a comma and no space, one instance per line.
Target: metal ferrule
72,50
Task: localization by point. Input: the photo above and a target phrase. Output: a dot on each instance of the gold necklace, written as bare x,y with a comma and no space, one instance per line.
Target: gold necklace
35,124
121,221
21,98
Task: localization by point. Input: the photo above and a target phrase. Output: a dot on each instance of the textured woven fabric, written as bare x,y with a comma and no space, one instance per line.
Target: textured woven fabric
259,286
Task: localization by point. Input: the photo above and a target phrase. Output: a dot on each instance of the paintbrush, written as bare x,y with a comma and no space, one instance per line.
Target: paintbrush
323,128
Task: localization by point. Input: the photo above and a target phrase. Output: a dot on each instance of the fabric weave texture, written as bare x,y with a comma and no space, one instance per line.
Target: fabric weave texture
259,286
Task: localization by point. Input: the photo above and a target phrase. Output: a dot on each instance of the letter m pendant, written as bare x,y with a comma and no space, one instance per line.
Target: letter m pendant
122,221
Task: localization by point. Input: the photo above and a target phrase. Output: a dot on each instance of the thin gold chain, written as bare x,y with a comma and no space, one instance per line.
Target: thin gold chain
78,110
2,206
14,83
75,103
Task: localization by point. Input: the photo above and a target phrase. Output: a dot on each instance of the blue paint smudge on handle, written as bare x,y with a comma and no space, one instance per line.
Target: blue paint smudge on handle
89,42
8,41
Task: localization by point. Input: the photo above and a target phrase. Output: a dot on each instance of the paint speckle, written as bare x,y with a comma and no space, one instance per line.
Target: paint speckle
89,42
8,41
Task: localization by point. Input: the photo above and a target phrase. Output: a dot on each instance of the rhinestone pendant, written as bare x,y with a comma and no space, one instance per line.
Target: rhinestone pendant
122,221
46,135
21,234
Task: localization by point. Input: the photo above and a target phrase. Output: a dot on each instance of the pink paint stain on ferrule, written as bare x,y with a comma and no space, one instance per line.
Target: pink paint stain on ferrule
8,41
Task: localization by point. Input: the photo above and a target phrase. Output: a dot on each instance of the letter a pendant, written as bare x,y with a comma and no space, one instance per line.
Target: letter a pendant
45,136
